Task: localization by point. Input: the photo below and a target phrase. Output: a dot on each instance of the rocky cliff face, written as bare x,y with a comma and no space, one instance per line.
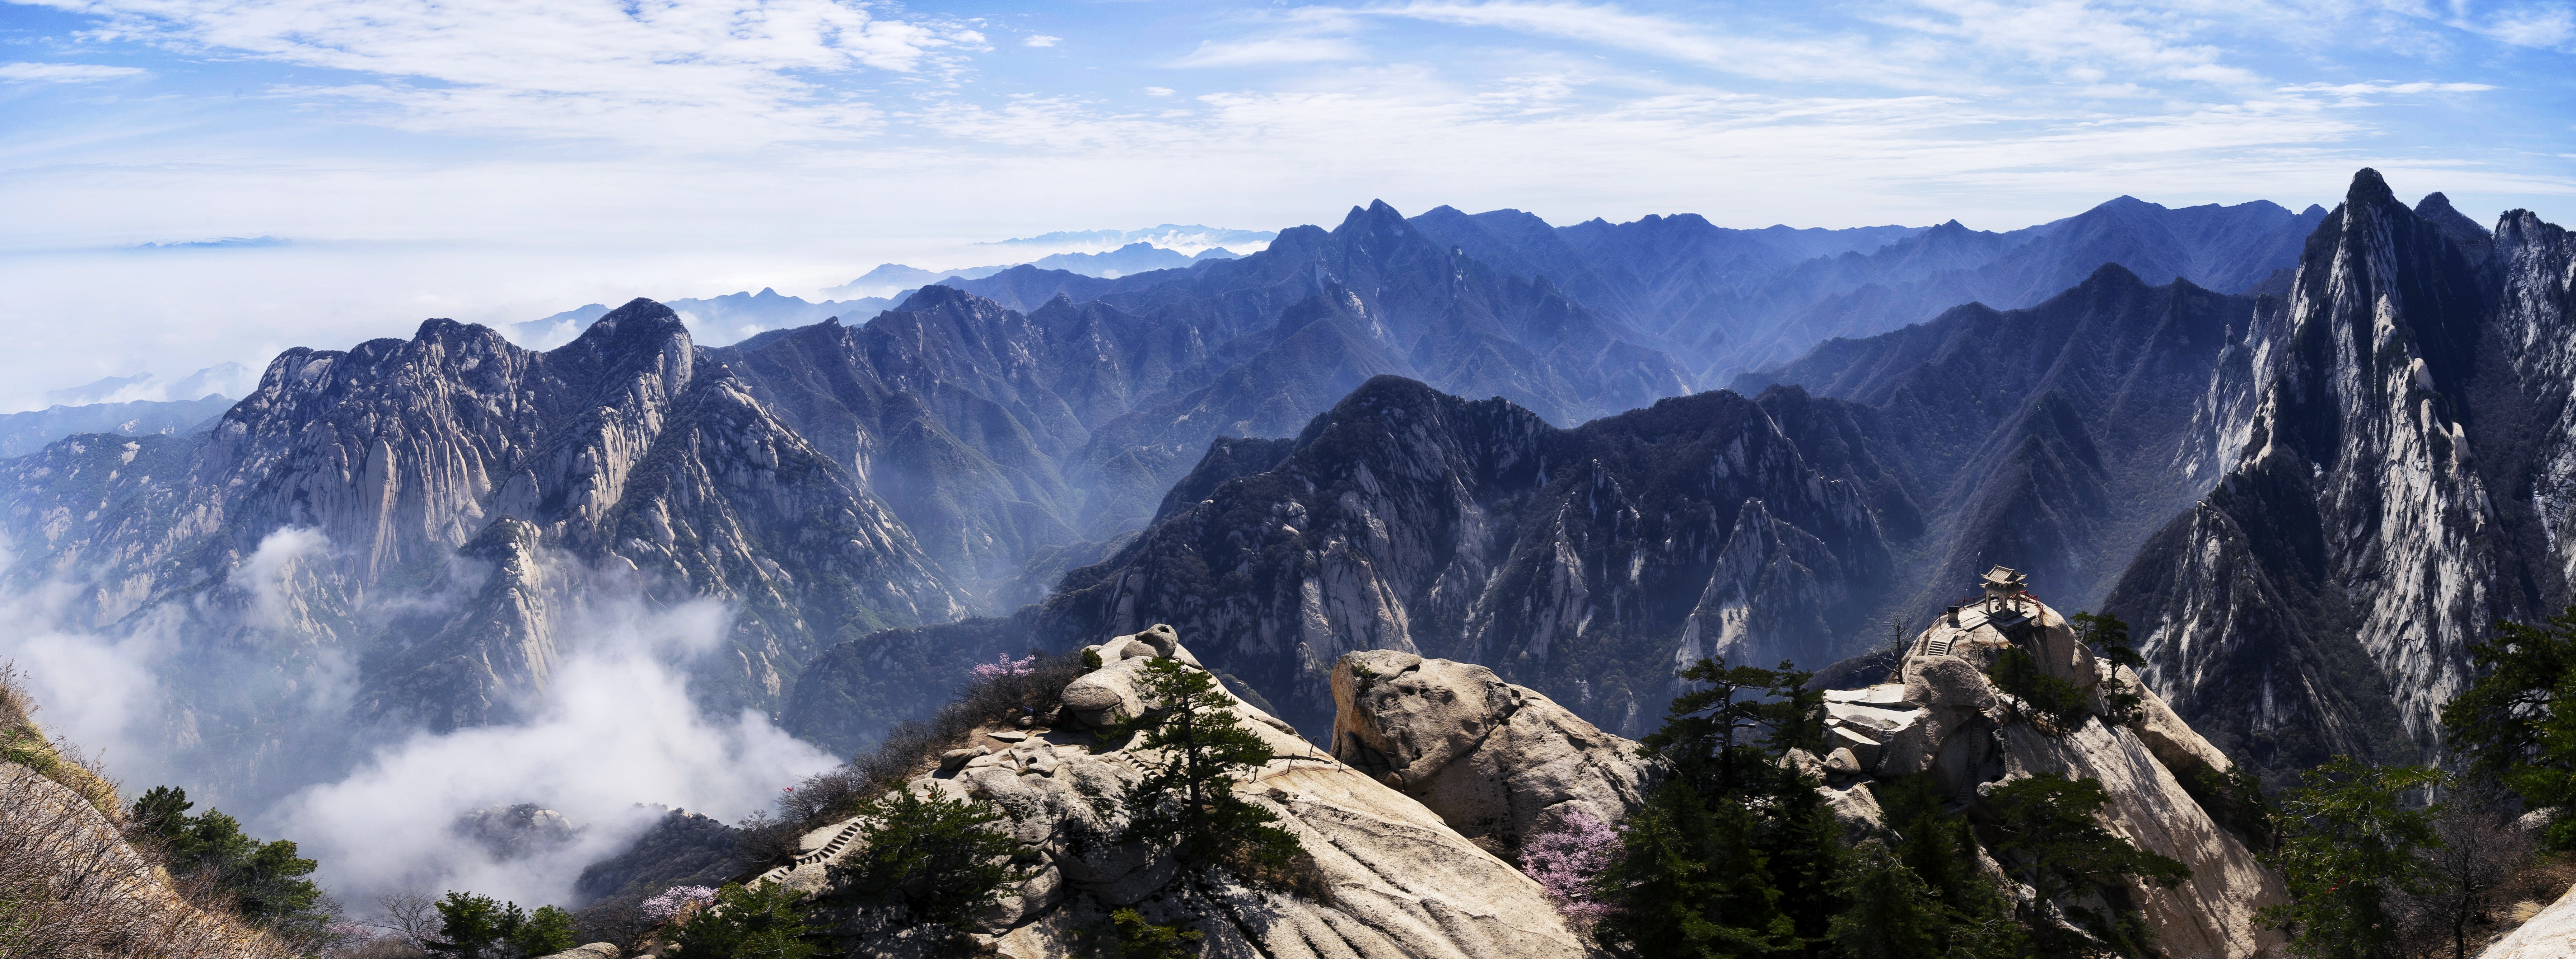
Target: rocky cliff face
471,480
2390,444
2044,438
1394,880
1578,562
1941,716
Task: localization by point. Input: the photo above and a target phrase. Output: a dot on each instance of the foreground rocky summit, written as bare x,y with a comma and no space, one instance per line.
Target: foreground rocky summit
1394,879
1940,715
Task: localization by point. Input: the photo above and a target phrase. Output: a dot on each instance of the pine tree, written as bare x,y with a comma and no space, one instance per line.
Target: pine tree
1889,911
935,855
1726,737
1801,844
2046,827
1690,885
545,932
1193,748
2513,723
2348,844
266,881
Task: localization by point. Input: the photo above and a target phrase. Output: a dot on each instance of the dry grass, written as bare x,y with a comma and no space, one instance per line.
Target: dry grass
71,886
24,743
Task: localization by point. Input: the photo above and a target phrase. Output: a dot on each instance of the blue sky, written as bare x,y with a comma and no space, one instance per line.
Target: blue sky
495,160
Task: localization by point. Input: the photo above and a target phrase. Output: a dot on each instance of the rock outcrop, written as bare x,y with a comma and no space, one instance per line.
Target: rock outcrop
1944,718
1497,762
2549,935
596,950
1398,881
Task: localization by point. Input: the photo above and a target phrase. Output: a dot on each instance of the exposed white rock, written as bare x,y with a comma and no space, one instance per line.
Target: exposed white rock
1402,882
1945,718
1494,760
2549,935
596,950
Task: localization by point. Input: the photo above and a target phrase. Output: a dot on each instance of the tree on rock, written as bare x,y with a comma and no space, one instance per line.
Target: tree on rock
1737,853
2046,826
934,855
1193,747
1689,884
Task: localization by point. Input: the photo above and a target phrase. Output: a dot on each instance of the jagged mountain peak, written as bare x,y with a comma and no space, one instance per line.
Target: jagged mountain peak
2112,275
2369,187
1377,215
640,319
937,297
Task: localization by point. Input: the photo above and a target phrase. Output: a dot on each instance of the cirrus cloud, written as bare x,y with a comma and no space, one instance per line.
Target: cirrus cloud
735,74
66,72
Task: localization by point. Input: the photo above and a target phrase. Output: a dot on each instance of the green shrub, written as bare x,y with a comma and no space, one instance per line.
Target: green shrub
760,922
265,881
2053,705
2511,722
1131,937
2350,845
933,855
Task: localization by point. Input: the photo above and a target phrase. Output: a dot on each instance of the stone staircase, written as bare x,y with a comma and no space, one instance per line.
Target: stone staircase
849,831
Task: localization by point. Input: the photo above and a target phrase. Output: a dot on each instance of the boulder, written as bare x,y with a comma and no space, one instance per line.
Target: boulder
1496,761
596,950
1106,695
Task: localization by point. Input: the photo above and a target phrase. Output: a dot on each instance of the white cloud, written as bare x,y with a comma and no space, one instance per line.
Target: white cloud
2541,25
2083,41
66,72
1269,51
1710,45
1158,91
2364,89
615,727
716,73
1041,40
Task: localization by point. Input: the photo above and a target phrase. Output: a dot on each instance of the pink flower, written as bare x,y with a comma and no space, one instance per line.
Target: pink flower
1004,665
1563,859
677,900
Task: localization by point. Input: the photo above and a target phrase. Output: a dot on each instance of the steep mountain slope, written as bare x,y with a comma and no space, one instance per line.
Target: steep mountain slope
1291,329
2389,442
2044,438
1578,562
320,523
965,416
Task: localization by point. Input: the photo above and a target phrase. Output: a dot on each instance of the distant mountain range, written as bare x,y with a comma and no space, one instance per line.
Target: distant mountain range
1170,236
1477,436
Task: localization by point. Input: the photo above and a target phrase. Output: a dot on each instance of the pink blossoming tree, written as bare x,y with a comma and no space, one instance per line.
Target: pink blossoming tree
1565,857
